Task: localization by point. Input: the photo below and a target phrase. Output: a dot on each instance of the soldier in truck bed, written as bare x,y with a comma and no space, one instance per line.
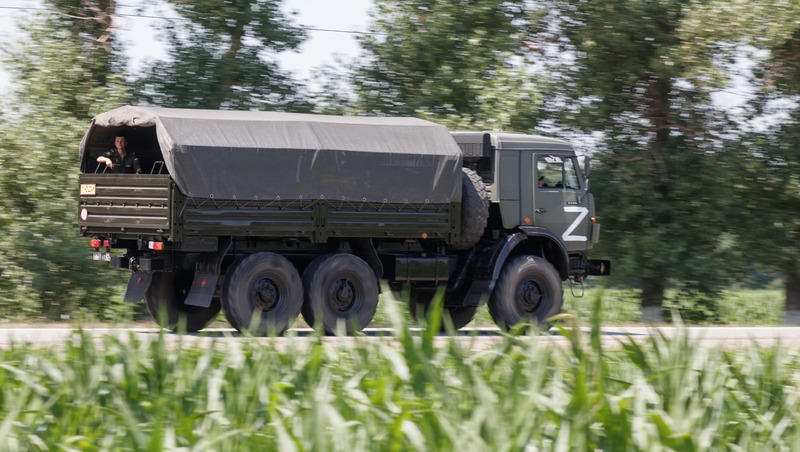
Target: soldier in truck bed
119,160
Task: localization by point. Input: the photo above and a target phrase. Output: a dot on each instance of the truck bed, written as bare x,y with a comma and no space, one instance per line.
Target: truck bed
318,220
128,206
125,204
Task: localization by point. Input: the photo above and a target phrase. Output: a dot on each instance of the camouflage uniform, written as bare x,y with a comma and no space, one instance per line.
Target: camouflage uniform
129,164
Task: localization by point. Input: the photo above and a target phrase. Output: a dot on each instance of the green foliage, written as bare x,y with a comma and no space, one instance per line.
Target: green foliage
65,67
632,54
643,75
46,268
699,210
44,263
693,307
407,392
449,61
769,182
221,56
732,306
665,215
729,307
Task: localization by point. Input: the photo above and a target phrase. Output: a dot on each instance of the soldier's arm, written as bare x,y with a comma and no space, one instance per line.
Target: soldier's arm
106,158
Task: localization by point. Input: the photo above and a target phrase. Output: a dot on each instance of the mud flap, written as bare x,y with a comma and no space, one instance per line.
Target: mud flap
138,284
206,275
202,291
365,249
479,292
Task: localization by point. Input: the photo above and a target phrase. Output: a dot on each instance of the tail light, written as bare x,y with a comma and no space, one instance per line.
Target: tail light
155,246
97,243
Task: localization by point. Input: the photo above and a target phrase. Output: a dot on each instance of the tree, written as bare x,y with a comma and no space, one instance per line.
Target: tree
770,183
451,61
769,227
59,84
73,48
643,74
221,55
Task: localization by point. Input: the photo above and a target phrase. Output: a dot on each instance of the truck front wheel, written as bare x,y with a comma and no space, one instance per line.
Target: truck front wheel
339,289
164,301
528,290
262,294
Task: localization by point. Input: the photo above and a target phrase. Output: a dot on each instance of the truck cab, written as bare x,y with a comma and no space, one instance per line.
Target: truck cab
534,181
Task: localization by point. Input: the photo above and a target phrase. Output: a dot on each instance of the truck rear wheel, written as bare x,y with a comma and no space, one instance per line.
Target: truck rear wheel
164,301
474,209
339,289
421,299
262,294
528,290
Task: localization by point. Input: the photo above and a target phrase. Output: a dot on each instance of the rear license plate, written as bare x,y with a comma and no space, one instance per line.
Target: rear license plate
101,256
88,189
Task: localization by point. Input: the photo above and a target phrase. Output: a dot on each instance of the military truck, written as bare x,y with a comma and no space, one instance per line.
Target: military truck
268,216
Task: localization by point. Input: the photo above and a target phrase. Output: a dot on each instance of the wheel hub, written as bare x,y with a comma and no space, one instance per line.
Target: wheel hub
529,296
342,295
266,294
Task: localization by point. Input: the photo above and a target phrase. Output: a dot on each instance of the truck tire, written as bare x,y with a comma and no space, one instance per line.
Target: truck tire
339,289
529,290
474,209
421,299
262,294
164,301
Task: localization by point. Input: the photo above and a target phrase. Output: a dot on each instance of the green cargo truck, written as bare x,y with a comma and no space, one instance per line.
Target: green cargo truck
268,216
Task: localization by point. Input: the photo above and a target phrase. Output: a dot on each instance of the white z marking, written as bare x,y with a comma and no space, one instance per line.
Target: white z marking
582,212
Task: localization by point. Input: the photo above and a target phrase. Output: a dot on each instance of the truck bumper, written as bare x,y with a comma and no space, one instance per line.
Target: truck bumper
139,264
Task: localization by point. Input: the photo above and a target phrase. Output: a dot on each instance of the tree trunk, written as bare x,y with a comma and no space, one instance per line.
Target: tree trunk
652,301
792,315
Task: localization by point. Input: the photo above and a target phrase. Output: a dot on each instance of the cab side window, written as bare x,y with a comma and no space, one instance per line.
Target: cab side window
557,173
571,179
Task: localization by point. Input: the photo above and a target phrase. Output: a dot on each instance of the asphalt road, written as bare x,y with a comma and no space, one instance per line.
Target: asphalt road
475,337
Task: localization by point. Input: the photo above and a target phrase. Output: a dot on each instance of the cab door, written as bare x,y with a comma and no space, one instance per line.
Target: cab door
560,201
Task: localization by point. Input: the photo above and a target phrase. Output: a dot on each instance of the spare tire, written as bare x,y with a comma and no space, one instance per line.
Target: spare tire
474,210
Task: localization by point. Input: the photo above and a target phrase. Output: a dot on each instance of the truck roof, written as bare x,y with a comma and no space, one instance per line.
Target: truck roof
479,144
249,155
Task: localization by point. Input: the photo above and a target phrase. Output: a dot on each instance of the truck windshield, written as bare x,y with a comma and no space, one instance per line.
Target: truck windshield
557,172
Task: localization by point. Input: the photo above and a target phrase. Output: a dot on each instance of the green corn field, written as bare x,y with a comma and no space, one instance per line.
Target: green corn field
400,392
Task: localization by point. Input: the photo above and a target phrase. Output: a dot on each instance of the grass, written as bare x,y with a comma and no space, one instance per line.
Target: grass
620,307
623,307
400,393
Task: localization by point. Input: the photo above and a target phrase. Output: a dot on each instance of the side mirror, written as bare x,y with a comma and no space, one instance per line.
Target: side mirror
586,168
